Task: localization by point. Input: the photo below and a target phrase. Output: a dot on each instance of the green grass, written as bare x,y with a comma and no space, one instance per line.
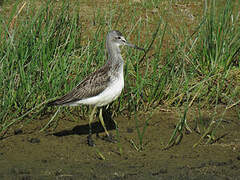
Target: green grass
45,53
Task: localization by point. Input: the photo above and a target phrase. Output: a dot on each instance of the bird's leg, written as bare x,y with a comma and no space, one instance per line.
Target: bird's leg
108,136
102,122
89,138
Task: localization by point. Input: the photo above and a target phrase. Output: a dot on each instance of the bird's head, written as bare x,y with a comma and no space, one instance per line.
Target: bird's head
116,37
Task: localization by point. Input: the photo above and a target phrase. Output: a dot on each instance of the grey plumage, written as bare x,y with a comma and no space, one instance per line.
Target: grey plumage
91,86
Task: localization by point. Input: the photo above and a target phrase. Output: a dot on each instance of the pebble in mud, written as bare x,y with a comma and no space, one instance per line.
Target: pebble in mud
34,140
44,161
18,131
129,130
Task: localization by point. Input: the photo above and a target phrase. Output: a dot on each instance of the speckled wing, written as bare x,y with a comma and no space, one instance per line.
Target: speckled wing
91,86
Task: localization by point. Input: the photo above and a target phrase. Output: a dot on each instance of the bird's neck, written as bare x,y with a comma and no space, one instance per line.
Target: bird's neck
114,55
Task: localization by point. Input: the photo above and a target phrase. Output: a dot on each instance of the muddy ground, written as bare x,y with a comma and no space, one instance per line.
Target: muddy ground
25,153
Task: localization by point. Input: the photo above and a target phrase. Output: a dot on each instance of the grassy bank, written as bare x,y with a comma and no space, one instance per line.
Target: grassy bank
46,49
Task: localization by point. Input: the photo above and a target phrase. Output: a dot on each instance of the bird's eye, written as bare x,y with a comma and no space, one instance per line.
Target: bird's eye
118,37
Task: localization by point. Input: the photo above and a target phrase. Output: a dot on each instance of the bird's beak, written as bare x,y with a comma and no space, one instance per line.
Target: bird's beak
134,46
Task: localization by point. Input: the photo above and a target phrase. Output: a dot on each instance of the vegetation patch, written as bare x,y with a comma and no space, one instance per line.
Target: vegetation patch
192,56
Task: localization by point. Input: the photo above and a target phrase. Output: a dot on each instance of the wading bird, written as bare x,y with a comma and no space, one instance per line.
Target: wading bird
102,86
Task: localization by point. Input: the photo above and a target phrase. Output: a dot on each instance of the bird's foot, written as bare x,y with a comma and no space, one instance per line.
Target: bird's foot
109,138
90,141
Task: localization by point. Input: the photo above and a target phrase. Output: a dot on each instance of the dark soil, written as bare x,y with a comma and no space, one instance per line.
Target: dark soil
25,153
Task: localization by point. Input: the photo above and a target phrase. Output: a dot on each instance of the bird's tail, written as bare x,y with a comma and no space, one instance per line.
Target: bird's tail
53,103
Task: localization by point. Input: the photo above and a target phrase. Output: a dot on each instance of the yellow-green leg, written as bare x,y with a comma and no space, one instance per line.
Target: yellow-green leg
102,122
89,138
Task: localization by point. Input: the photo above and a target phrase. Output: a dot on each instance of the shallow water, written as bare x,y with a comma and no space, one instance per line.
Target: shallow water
64,154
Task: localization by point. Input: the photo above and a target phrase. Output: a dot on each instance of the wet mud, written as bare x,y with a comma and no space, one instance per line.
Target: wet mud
26,153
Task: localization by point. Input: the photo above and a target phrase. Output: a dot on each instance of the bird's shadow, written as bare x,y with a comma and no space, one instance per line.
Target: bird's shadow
96,126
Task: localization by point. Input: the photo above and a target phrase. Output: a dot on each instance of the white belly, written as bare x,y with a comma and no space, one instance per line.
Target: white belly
107,96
